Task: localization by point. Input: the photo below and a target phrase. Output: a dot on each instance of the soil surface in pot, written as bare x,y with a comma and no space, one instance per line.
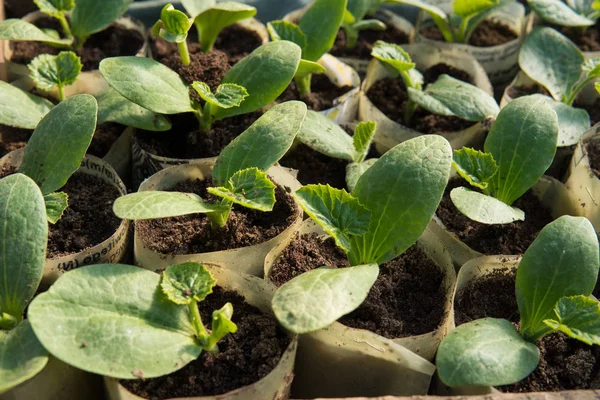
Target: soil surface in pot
235,41
488,33
114,41
565,363
185,140
407,298
593,152
513,238
244,357
365,42
190,234
322,96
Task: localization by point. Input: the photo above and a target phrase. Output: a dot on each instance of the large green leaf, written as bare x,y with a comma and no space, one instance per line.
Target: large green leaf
561,261
17,29
265,74
21,109
572,122
558,13
485,352
285,30
324,135
23,239
58,144
250,188
112,107
195,7
523,143
91,16
21,356
317,298
147,83
402,190
114,320
552,60
187,282
320,25
578,317
263,143
212,20
49,71
484,209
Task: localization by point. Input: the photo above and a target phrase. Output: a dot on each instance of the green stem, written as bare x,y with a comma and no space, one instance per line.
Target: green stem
201,331
218,220
462,30
61,92
575,91
409,110
205,118
207,45
184,53
351,36
303,84
81,42
65,26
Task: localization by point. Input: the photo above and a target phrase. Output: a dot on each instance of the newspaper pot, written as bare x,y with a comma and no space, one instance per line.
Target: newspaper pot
110,251
390,133
276,384
248,260
501,61
341,74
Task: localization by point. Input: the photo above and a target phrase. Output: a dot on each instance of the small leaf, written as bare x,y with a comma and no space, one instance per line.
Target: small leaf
174,25
578,317
249,188
485,352
227,95
308,67
484,209
48,71
558,13
185,282
221,324
363,135
91,16
592,67
393,55
475,166
21,109
212,20
17,29
340,214
56,204
284,30
325,136
157,204
355,170
468,8
112,107
316,299
320,25
55,8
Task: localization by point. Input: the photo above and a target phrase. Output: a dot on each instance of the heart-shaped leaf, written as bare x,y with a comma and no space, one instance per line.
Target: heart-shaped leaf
578,317
227,95
56,204
392,55
49,71
173,25
249,188
475,166
183,283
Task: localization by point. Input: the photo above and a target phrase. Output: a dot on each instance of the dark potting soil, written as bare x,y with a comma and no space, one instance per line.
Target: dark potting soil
244,357
193,233
593,152
184,140
434,72
323,93
13,138
586,40
513,238
565,363
112,42
365,42
407,298
488,33
592,109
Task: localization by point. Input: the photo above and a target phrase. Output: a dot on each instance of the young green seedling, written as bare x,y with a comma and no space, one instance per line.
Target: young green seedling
354,19
385,214
554,281
575,13
86,17
315,34
239,174
251,84
55,72
22,261
447,96
518,150
157,314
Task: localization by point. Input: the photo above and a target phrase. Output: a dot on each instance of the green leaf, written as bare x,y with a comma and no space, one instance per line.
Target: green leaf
439,17
558,13
308,67
91,16
263,143
402,190
485,352
484,209
17,29
324,135
468,8
359,8
578,317
355,170
285,30
336,211
183,283
56,204
523,143
58,144
173,24
212,20
21,356
363,135
147,83
157,204
476,19
583,7
221,324
112,107
316,299
561,261
195,7
114,320
23,239
320,25
592,67
227,95
21,109
393,55
572,122
49,72
249,188
475,166
452,97
55,8
551,60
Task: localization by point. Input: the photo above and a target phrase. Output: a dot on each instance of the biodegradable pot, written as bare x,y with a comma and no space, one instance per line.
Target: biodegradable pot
88,82
248,260
276,384
110,251
501,61
552,194
341,74
390,133
119,155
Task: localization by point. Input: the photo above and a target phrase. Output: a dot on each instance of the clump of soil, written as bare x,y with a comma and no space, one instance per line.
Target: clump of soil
190,234
488,33
593,152
244,357
366,39
322,96
513,238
